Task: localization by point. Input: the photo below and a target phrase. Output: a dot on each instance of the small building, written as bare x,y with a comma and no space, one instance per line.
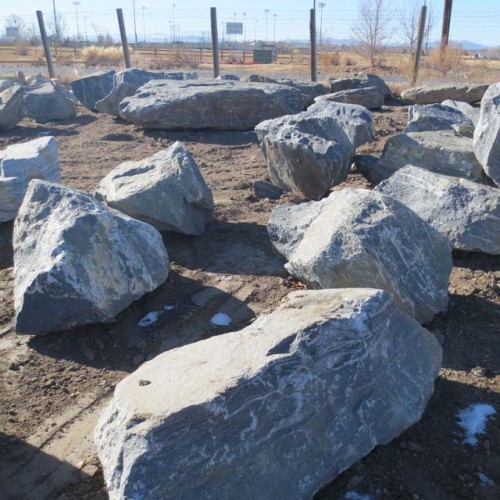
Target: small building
265,54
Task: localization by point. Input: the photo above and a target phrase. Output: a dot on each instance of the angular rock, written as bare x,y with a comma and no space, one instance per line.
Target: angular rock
231,78
429,94
360,81
12,108
288,223
487,134
307,153
49,102
76,261
369,97
469,111
441,152
264,189
365,239
19,163
209,104
5,84
467,213
432,117
126,83
260,79
91,89
166,190
310,89
293,400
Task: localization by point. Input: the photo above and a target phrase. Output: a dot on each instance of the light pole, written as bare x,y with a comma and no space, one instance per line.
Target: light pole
234,14
255,37
56,24
267,14
173,23
76,4
144,24
244,28
321,5
274,29
135,23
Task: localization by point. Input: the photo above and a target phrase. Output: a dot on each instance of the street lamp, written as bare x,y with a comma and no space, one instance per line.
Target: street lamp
255,37
144,24
234,14
76,4
245,28
274,28
321,5
135,23
173,23
56,24
267,13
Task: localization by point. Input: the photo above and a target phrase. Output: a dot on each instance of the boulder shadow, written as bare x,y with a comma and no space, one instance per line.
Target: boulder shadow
184,308
208,136
476,261
6,249
229,248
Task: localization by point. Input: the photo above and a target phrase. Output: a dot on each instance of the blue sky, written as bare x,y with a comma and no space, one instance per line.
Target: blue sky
475,20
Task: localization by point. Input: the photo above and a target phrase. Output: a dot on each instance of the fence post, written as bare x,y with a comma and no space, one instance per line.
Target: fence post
314,62
45,41
123,34
215,41
420,42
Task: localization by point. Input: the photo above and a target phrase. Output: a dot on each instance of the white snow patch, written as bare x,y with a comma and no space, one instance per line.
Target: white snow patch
486,480
150,319
353,495
220,319
168,307
473,421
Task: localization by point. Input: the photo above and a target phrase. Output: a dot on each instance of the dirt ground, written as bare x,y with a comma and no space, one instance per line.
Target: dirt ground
52,387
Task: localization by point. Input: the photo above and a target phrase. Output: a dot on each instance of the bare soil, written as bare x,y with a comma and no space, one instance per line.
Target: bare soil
52,387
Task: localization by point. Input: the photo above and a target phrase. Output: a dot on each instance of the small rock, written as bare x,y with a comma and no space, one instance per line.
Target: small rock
479,372
264,189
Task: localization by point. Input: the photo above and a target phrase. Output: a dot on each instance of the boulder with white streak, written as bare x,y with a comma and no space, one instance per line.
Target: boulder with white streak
166,190
274,411
76,261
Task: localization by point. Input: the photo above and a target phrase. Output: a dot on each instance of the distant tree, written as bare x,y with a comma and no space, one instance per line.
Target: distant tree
408,20
57,28
103,39
372,30
33,34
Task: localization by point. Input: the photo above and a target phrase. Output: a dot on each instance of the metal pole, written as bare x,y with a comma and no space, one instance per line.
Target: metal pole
267,13
76,4
135,24
314,62
144,24
123,34
420,42
274,29
45,41
321,5
215,41
445,34
173,23
245,30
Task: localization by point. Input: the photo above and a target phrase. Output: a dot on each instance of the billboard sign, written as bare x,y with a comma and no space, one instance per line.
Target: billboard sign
234,28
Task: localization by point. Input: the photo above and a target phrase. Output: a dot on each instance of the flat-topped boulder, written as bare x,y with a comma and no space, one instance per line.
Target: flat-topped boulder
12,109
49,102
362,238
92,88
358,81
77,261
369,97
311,152
487,133
220,105
432,117
166,190
274,411
19,163
126,83
442,152
467,213
433,93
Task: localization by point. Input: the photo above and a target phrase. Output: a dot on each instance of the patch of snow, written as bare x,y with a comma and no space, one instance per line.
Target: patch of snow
353,495
150,319
220,319
486,480
168,307
473,421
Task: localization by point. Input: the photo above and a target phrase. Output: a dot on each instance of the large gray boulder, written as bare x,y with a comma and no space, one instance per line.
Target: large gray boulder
363,239
487,133
166,190
19,163
429,94
209,105
91,89
12,109
465,108
126,83
432,117
442,152
467,213
76,261
310,89
359,81
274,411
310,152
49,102
369,97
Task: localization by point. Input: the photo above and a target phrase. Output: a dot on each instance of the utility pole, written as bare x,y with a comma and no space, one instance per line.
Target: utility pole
274,29
173,23
56,26
76,4
144,24
321,5
245,28
135,24
420,42
445,34
267,14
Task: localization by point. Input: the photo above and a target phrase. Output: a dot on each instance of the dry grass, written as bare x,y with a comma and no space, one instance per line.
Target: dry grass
102,56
